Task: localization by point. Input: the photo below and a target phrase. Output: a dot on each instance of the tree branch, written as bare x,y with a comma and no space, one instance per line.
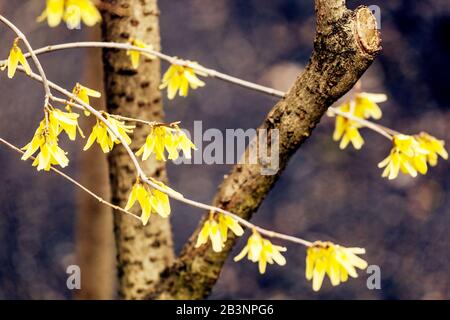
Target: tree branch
345,46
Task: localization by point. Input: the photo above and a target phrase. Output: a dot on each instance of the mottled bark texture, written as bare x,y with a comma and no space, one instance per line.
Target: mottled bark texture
142,252
345,46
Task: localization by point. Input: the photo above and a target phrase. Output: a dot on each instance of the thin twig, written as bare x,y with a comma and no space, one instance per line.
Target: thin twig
76,183
363,122
207,72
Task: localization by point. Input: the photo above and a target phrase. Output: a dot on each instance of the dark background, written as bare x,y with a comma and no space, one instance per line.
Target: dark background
324,194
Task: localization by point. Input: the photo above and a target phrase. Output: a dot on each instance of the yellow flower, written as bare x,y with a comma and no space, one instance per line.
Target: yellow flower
407,156
45,139
347,132
161,138
227,222
180,78
364,106
262,251
210,230
434,147
53,12
15,57
326,258
218,231
81,10
149,200
83,93
105,137
136,55
65,121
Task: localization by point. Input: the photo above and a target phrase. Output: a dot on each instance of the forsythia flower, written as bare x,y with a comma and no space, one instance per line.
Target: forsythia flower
72,11
410,154
180,78
210,230
218,231
136,55
363,106
434,147
105,137
45,139
333,260
262,251
65,121
15,57
150,200
53,13
83,93
161,138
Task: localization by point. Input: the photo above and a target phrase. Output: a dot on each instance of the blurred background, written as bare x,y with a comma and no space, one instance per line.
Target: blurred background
324,194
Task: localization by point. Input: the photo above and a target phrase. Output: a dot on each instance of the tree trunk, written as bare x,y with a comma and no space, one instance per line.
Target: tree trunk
345,46
142,252
95,240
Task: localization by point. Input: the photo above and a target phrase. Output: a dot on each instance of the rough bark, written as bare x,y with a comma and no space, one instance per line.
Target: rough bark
346,44
142,252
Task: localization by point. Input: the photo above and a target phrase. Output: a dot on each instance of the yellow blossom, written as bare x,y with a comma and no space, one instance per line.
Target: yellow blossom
434,147
53,12
217,232
227,222
81,10
136,55
65,121
170,138
262,251
407,156
15,57
83,93
179,78
364,106
210,230
149,200
45,139
105,137
326,258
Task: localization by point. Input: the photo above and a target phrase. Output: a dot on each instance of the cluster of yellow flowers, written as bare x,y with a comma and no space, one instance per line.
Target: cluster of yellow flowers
326,258
170,138
83,93
364,106
105,137
72,12
412,154
150,200
217,231
15,57
262,251
179,78
46,139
